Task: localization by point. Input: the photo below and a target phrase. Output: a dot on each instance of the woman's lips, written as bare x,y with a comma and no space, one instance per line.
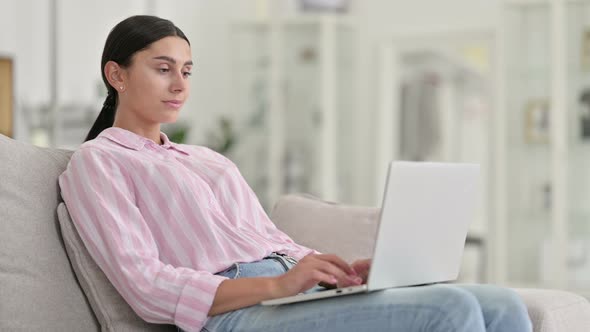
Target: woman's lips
176,104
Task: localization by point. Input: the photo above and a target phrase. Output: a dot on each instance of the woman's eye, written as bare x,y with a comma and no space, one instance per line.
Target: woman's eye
164,70
187,73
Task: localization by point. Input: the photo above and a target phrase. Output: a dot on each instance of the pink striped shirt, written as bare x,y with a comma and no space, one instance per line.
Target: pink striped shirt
160,220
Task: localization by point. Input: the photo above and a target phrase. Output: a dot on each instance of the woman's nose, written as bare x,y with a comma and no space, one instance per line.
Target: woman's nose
178,83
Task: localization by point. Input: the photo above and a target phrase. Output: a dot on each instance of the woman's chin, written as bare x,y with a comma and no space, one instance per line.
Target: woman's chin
169,119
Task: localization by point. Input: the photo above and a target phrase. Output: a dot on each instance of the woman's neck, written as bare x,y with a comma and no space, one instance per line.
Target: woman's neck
150,131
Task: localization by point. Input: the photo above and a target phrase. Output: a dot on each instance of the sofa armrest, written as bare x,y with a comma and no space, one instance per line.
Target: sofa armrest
352,228
554,310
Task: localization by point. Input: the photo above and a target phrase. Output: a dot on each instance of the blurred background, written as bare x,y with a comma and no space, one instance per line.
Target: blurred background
317,96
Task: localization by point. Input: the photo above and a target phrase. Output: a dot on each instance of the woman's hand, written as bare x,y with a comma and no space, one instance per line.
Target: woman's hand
313,269
234,294
362,267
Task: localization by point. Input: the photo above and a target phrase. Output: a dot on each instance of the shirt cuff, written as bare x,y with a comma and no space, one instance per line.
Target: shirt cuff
299,254
195,302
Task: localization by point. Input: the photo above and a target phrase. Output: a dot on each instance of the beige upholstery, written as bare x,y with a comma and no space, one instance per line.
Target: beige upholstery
38,289
308,220
113,313
554,310
40,292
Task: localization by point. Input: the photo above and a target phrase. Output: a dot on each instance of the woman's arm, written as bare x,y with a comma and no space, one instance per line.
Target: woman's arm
100,196
244,205
233,294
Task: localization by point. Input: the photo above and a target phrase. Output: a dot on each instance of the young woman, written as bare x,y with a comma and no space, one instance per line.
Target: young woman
184,240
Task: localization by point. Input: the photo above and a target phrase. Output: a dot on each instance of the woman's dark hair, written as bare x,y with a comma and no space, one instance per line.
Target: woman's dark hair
131,35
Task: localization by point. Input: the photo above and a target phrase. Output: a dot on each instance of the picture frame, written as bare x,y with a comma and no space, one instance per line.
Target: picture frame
337,6
584,116
6,97
536,121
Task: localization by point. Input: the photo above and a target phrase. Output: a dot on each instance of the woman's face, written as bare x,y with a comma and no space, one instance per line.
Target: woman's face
157,81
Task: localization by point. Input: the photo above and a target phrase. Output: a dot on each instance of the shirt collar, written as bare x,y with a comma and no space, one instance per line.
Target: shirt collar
137,142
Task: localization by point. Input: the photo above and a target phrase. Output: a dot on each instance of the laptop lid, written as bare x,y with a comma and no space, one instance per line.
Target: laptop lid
426,211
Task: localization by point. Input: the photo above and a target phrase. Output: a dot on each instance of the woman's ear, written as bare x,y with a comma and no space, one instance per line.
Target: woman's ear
115,75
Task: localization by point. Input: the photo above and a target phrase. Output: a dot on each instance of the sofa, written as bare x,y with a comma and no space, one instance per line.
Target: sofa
49,283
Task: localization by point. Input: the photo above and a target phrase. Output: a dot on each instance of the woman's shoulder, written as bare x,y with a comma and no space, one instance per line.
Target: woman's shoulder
95,160
206,153
94,146
99,150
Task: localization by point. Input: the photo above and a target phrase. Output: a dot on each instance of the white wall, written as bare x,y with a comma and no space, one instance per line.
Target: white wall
84,26
24,38
378,21
25,35
82,29
206,24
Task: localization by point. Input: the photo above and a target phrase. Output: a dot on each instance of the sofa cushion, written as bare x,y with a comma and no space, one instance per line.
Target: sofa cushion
113,313
38,289
309,222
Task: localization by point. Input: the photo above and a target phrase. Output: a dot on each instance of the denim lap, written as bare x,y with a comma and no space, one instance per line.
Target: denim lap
469,308
268,267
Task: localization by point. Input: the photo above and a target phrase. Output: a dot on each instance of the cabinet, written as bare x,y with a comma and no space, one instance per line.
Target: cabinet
293,103
543,145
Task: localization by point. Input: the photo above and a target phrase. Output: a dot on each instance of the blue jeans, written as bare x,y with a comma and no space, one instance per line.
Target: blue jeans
443,307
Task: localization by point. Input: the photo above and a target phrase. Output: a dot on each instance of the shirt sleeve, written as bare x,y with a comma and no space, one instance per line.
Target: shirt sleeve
101,200
248,206
287,245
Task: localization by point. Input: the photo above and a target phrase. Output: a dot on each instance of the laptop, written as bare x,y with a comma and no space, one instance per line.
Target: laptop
426,211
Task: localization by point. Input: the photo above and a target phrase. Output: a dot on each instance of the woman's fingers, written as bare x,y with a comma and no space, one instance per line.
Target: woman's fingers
320,276
337,267
335,260
362,268
328,268
323,268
